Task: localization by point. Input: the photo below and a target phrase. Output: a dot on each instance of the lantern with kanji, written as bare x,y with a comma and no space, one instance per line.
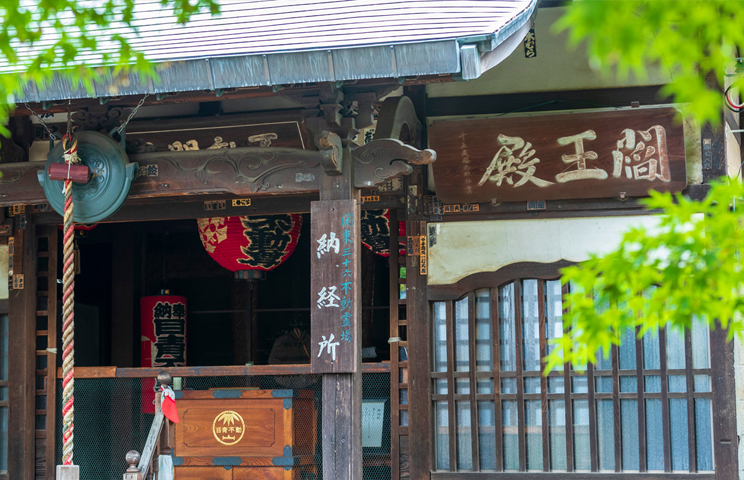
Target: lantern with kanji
163,336
250,245
375,231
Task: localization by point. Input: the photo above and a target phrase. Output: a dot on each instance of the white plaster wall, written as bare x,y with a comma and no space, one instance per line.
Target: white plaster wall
733,155
459,249
555,68
3,272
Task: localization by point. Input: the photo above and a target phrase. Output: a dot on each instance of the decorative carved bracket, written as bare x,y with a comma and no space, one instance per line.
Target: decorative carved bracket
343,110
383,159
99,117
331,151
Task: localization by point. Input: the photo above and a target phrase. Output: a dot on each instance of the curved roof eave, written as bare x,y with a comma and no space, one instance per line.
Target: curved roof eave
465,56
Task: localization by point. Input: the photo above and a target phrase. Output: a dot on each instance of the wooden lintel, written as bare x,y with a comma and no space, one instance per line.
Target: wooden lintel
222,371
240,171
160,209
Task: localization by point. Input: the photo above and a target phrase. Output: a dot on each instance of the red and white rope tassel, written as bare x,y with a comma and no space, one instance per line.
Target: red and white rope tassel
68,314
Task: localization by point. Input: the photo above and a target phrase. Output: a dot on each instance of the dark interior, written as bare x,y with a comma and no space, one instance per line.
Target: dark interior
169,256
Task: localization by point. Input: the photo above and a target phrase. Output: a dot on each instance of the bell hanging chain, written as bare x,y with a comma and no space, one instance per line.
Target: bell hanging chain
41,121
69,117
131,115
69,145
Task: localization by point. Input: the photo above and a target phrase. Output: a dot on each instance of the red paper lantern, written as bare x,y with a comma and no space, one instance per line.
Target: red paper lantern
163,334
261,242
375,228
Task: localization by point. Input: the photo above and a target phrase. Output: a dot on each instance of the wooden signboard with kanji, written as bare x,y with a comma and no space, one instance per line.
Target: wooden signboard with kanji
334,302
227,131
558,156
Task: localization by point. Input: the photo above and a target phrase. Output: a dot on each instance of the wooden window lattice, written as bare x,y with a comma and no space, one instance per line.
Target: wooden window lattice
646,407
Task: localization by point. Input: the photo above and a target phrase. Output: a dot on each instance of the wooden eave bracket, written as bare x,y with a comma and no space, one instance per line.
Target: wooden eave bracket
381,160
331,150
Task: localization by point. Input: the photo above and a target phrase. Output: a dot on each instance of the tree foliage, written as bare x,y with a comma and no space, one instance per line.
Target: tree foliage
74,39
688,268
687,38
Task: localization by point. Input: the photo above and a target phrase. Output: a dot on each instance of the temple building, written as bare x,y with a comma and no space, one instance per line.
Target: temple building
335,231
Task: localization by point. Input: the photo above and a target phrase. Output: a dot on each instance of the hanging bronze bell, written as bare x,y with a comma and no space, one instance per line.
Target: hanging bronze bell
109,179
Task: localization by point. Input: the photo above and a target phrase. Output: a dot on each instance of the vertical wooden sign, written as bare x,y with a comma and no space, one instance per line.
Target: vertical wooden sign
334,303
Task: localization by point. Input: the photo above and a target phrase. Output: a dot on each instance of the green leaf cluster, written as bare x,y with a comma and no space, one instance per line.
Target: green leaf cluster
688,268
693,40
78,40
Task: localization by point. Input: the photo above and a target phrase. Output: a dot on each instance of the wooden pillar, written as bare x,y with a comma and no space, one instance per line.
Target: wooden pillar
243,299
725,438
713,139
419,331
21,352
419,395
342,392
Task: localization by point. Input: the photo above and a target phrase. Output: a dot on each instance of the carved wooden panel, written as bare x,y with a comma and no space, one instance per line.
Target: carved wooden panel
239,171
581,155
243,171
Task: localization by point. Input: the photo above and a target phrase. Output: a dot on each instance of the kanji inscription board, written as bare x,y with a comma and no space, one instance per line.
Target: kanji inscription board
558,156
334,301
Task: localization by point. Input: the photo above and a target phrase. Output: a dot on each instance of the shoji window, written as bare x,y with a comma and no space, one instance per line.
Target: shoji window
644,407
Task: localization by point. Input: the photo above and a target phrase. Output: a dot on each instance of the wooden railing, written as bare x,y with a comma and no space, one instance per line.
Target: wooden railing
143,466
160,439
224,371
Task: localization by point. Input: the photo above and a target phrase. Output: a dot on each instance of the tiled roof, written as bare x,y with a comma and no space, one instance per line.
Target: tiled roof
270,42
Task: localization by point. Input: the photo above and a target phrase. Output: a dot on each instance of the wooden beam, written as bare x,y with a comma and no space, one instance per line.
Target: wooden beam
21,362
221,371
544,101
244,172
247,171
194,207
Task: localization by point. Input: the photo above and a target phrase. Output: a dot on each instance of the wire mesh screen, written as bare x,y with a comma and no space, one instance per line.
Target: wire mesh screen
110,420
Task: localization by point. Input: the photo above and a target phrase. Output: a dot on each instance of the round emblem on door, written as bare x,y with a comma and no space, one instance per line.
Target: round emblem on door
228,427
